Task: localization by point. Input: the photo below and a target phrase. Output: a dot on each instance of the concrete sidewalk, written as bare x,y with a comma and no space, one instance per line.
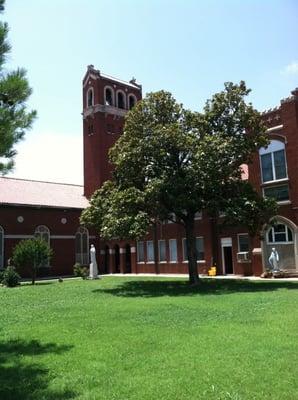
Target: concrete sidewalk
184,276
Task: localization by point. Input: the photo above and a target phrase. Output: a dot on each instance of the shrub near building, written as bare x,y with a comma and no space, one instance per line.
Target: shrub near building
32,254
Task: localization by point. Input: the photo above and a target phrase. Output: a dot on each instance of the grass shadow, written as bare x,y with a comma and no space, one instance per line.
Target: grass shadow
159,288
22,379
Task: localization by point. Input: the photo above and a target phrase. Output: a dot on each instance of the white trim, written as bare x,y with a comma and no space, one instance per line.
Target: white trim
63,236
132,249
122,250
274,128
124,99
18,236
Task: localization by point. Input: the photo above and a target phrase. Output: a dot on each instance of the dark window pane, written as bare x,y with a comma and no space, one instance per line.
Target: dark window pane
267,172
279,193
270,236
109,98
120,100
243,243
290,235
280,164
200,248
280,237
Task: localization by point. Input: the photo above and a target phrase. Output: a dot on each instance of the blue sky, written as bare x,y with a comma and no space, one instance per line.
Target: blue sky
187,47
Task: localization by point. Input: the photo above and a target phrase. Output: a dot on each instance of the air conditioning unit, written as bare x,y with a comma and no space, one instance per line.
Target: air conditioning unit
243,256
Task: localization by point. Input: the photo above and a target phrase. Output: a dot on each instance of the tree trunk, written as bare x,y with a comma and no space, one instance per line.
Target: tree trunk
191,251
33,274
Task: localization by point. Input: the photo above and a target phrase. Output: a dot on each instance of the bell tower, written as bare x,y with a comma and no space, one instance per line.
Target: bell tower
106,100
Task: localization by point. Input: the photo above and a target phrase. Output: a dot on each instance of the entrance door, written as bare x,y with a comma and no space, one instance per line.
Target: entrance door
227,255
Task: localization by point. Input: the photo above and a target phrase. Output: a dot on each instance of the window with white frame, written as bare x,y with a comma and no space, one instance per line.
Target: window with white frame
90,97
140,252
173,250
172,218
273,161
162,250
43,232
280,233
274,169
279,193
243,242
1,247
199,249
198,215
150,251
82,246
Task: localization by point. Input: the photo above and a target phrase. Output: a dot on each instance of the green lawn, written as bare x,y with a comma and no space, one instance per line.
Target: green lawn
145,338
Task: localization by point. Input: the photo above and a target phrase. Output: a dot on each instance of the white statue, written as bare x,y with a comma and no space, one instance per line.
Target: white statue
93,274
274,259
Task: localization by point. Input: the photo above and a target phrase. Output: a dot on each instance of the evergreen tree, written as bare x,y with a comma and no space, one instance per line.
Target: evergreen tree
14,92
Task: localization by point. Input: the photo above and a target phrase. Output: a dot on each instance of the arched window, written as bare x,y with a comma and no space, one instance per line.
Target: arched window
282,237
109,96
1,247
131,101
121,100
274,170
90,97
279,233
82,246
42,232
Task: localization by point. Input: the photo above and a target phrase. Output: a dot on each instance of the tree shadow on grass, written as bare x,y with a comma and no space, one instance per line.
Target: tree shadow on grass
159,288
27,380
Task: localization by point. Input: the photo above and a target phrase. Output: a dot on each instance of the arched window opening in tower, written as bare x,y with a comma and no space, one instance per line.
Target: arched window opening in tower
120,100
109,97
90,99
131,101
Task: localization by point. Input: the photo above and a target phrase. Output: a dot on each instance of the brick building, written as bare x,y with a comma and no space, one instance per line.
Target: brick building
52,211
273,173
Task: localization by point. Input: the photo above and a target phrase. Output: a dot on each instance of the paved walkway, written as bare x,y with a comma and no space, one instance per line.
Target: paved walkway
185,276
248,278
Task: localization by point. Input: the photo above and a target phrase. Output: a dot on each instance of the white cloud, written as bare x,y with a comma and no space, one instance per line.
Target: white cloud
291,69
53,157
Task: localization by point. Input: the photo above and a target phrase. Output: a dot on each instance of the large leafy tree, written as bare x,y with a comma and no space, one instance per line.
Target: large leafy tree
14,92
173,161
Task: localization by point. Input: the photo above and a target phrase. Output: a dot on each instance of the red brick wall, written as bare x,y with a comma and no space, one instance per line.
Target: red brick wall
64,248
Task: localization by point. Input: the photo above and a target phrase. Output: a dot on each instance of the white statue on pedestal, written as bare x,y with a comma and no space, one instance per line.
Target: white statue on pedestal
274,259
93,273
